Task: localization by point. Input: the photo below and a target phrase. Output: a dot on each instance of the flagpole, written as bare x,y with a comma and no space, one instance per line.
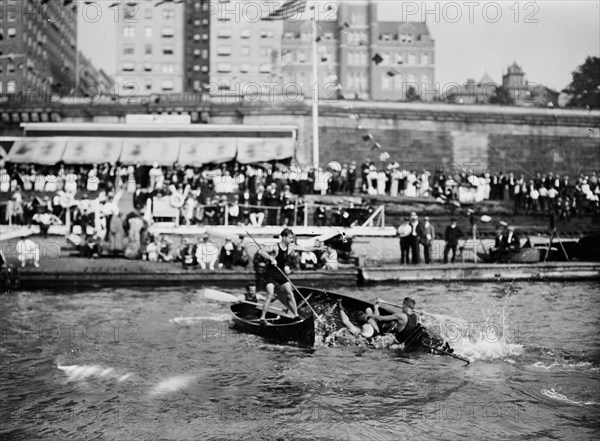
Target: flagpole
315,104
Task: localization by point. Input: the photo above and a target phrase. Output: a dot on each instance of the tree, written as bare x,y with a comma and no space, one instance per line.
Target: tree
585,87
502,96
412,95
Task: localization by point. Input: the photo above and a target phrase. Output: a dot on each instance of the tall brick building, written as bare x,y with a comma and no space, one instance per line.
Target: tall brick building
197,15
37,48
150,50
369,59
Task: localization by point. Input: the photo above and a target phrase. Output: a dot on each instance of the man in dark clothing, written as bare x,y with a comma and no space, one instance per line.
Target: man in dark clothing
414,239
452,235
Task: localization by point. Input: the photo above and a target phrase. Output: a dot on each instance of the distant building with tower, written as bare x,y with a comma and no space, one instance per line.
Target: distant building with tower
361,57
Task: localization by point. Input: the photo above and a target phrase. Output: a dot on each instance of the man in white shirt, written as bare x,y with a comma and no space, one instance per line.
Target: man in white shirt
28,252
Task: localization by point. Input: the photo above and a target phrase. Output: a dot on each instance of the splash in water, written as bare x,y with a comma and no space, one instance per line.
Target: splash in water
84,372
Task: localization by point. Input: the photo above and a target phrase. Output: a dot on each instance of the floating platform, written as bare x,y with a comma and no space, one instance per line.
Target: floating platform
77,272
478,272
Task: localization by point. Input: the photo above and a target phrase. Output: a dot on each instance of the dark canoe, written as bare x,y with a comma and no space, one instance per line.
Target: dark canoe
325,304
279,329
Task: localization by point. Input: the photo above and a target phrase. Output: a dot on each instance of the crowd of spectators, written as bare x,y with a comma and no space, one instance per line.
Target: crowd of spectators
273,193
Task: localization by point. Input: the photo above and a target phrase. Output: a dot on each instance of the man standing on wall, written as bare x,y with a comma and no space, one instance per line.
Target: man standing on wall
452,235
404,231
427,240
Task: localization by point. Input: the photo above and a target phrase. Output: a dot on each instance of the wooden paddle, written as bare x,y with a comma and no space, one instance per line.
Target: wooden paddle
221,296
437,317
449,354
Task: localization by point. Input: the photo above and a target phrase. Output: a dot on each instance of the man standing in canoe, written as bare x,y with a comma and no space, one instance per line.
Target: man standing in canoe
276,273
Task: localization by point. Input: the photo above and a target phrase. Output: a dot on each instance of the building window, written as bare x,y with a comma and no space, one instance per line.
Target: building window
168,68
245,33
266,34
168,32
148,85
289,35
130,12
224,50
129,49
128,67
301,57
204,68
196,52
128,31
399,58
386,58
386,83
412,58
196,85
398,82
205,21
385,37
148,49
168,14
11,86
197,22
149,13
148,66
224,67
168,50
196,68
148,32
10,68
224,33
265,68
424,58
244,67
196,37
265,51
167,85
205,54
245,50
328,36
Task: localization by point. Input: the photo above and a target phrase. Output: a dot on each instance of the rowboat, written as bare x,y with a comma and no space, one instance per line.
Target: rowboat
524,255
279,328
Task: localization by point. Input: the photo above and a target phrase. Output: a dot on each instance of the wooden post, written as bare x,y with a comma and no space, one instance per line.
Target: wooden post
226,223
306,214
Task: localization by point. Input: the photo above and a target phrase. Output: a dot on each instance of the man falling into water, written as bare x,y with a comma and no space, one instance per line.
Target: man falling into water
402,324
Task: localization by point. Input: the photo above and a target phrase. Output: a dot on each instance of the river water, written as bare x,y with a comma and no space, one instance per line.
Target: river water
163,364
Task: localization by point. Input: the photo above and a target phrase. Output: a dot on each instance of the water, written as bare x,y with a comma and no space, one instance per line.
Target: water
163,364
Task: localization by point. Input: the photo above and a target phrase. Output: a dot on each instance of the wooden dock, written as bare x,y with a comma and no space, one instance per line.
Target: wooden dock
77,272
478,272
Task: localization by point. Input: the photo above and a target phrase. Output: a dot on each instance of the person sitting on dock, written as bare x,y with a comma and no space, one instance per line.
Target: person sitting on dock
28,252
511,241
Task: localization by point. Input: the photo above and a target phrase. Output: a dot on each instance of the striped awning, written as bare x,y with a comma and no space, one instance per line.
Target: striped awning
148,151
44,151
198,151
251,150
92,151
